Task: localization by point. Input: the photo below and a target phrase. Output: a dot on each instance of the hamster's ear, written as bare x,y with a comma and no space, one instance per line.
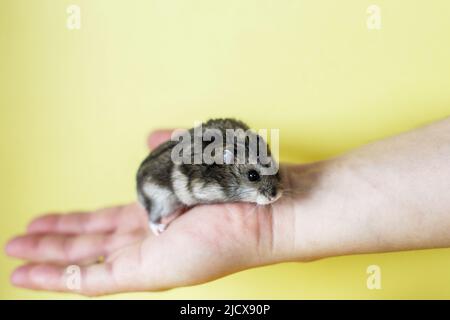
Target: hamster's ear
228,156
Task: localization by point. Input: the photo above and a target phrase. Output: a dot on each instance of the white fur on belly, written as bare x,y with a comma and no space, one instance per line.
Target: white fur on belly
163,200
180,187
208,192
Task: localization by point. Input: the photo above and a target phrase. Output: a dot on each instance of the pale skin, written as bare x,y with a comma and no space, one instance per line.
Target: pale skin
386,196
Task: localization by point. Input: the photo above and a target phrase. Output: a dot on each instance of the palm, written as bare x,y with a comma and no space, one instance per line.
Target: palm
204,243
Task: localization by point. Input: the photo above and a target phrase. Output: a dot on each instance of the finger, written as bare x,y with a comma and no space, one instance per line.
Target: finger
115,219
157,137
121,275
65,279
64,249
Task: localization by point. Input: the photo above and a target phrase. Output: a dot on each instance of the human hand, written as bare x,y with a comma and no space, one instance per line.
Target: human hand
386,196
206,242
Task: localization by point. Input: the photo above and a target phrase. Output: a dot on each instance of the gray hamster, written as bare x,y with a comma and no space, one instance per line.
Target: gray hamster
166,187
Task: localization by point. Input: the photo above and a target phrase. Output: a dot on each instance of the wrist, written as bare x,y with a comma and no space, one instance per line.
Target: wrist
291,214
305,220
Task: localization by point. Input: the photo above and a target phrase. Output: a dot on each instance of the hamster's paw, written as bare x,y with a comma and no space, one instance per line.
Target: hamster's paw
157,228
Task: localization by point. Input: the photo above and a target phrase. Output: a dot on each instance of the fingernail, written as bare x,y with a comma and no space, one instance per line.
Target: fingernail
11,246
35,226
19,276
42,223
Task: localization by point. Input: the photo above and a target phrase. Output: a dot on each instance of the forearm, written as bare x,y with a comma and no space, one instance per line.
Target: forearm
386,196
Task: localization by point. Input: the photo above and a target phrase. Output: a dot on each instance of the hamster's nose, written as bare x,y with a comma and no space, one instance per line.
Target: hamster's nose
273,193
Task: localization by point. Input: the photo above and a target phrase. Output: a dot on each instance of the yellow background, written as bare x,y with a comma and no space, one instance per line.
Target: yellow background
76,107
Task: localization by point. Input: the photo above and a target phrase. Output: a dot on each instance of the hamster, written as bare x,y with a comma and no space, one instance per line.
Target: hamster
166,187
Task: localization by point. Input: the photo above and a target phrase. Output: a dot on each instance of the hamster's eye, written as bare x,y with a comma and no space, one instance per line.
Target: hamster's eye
253,175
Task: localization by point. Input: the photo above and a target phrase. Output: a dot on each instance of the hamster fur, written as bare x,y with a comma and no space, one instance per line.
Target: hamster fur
166,188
